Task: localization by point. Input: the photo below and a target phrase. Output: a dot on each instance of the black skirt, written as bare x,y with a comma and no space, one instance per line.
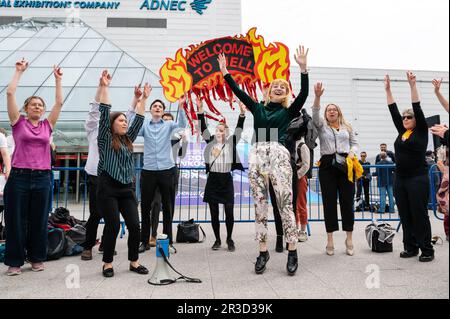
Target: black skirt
219,189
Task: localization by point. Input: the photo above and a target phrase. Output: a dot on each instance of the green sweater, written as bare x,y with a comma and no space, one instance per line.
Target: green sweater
272,121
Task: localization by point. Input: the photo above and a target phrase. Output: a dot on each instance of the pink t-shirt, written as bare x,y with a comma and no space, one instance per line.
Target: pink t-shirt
32,149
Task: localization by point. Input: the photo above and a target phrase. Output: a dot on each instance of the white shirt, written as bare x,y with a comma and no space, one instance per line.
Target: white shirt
91,127
3,141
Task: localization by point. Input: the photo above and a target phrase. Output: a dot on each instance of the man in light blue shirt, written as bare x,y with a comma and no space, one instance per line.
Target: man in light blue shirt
159,169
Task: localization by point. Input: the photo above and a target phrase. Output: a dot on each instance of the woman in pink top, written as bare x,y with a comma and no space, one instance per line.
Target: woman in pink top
27,191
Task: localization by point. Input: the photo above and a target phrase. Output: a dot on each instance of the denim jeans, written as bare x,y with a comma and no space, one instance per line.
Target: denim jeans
390,192
27,195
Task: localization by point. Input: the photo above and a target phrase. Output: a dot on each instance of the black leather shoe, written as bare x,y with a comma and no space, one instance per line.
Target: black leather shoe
426,258
141,270
279,246
143,248
409,254
231,246
217,245
108,273
292,263
261,261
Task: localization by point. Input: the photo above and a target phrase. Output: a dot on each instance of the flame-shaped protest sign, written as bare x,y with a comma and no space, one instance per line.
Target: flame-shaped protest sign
196,70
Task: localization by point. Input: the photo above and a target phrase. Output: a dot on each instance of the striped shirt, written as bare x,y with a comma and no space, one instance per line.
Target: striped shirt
224,161
119,165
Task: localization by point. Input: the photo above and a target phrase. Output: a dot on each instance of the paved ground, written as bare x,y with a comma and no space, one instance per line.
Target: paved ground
230,275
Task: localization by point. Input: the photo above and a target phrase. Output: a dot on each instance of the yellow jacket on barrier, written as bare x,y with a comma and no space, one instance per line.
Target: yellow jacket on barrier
354,169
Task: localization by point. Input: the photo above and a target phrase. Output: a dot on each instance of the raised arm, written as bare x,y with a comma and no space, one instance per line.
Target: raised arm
56,110
105,107
393,108
437,91
206,134
93,118
318,91
182,119
244,97
136,126
13,109
301,58
418,112
240,124
6,160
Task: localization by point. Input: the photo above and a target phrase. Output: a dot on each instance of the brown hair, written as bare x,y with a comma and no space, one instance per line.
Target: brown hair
118,140
158,101
28,101
168,115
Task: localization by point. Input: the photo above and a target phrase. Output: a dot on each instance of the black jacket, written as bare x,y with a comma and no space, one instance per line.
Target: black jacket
234,140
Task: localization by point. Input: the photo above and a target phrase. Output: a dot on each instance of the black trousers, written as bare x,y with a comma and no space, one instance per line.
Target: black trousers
94,215
334,183
229,219
157,205
273,200
360,184
164,181
411,195
114,197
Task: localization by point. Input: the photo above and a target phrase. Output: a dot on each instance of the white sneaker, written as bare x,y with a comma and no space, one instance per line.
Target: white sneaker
302,236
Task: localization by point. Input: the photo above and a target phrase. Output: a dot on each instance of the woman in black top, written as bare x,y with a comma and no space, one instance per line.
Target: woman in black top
412,184
115,191
221,159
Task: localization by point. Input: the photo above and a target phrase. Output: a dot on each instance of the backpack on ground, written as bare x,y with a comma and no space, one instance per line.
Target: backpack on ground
57,242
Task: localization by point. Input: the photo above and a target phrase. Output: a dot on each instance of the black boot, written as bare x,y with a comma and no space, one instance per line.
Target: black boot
292,263
279,245
261,261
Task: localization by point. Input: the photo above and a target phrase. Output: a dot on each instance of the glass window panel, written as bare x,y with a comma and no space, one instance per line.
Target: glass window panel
4,54
24,33
127,77
77,59
121,98
4,32
48,94
151,78
73,32
13,58
92,34
22,94
91,77
88,45
79,99
36,44
48,59
12,43
62,45
129,62
109,46
7,73
106,59
50,32
70,77
35,76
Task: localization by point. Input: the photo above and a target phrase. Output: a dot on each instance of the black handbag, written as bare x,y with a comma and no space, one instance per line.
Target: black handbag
189,232
339,160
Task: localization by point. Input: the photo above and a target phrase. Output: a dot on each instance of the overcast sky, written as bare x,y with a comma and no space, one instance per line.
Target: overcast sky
387,34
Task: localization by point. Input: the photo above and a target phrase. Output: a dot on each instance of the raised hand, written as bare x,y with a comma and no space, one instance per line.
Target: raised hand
412,79
182,101
222,63
439,130
319,89
57,72
147,90
437,85
138,92
106,79
301,57
199,103
387,82
242,108
21,65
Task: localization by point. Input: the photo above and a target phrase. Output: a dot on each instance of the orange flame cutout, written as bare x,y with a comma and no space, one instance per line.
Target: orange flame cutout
175,78
273,63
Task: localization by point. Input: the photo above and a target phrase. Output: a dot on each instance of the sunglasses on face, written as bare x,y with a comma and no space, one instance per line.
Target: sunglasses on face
408,117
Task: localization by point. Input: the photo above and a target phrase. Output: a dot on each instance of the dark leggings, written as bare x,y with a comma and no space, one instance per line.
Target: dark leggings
229,219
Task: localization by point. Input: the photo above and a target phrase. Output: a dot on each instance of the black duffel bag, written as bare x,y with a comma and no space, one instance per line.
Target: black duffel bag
189,232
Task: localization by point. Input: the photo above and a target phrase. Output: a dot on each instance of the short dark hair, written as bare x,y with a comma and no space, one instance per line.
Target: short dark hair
383,144
169,115
158,101
363,153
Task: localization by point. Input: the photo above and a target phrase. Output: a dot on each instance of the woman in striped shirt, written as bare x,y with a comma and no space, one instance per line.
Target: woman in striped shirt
116,171
221,159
